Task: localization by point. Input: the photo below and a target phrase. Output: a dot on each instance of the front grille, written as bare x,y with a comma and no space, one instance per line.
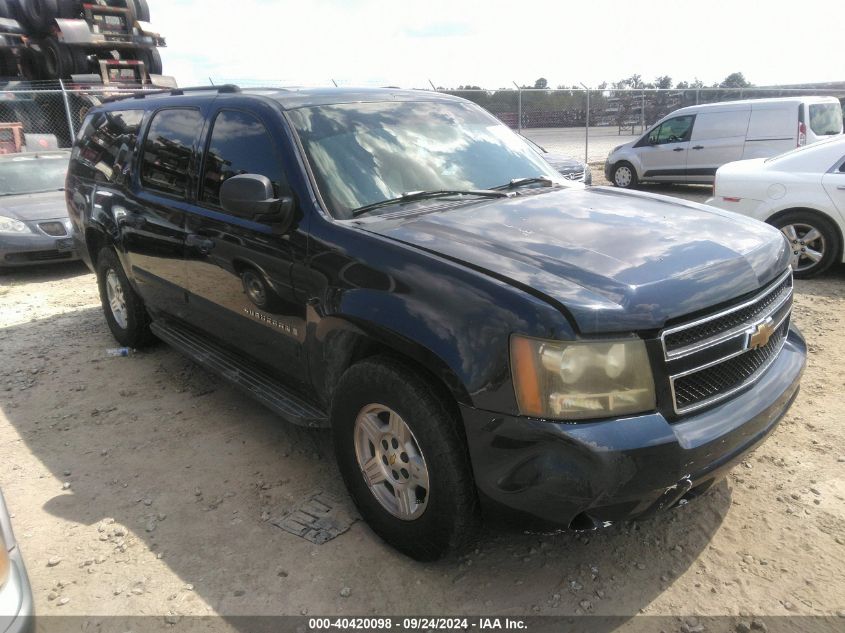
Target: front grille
574,175
713,357
53,229
724,378
676,339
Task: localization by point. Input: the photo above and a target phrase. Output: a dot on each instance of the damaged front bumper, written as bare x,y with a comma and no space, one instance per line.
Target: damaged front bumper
584,475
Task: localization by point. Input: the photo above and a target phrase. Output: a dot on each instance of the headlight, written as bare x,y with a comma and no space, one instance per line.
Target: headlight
580,380
12,226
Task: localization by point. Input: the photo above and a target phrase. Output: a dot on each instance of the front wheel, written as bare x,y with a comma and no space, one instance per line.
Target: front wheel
404,459
813,240
624,175
124,310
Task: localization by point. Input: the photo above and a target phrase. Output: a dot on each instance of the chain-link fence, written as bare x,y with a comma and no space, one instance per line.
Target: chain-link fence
579,122
35,116
590,123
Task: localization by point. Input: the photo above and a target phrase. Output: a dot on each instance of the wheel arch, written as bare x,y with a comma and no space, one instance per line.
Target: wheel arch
342,343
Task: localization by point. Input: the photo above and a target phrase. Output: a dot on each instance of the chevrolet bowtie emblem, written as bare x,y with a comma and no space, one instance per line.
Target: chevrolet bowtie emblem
760,335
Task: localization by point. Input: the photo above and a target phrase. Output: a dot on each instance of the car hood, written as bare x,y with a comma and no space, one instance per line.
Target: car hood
563,163
614,261
34,206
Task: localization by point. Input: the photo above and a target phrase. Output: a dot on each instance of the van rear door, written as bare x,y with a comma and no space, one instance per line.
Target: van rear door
772,129
717,138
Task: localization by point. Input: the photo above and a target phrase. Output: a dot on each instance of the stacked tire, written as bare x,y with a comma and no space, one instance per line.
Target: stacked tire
52,59
38,15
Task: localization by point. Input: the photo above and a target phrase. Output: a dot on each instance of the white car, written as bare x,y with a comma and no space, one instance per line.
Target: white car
801,192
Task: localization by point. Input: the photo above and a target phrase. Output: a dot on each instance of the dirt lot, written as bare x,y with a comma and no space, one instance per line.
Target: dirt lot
144,485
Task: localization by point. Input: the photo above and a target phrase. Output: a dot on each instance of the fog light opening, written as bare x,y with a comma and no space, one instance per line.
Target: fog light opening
583,522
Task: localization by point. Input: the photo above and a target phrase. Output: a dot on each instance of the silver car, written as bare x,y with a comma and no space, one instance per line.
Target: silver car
34,225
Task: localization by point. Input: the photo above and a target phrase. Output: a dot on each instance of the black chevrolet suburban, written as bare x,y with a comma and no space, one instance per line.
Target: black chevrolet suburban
478,332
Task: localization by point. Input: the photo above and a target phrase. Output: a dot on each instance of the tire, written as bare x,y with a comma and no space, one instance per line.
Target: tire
813,256
624,175
140,8
39,14
60,61
152,60
440,516
32,64
130,325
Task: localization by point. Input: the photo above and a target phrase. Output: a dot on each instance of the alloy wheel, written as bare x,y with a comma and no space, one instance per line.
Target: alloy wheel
391,462
807,243
117,302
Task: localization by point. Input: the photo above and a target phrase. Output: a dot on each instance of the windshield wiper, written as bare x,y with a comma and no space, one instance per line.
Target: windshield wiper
533,180
410,196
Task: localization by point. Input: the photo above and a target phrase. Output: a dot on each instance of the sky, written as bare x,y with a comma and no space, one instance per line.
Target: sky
492,44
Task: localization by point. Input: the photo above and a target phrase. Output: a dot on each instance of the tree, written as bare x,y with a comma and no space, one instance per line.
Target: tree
541,83
664,82
735,80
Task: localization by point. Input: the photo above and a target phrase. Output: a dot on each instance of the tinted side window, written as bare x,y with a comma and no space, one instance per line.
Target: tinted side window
106,144
240,144
168,150
672,131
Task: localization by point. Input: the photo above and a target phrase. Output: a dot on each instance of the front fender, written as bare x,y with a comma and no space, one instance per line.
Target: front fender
369,290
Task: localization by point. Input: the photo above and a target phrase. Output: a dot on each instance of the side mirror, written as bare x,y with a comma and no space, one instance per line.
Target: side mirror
251,196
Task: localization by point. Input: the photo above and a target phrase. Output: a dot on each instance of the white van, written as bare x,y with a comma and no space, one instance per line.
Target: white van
689,145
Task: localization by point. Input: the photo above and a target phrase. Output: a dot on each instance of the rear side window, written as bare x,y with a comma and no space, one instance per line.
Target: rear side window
713,125
106,144
169,149
825,118
240,144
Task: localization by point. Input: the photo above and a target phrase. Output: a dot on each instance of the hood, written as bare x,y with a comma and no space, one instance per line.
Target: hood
615,261
563,163
35,206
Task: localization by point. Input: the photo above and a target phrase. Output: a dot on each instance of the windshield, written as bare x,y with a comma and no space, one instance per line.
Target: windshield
364,153
826,118
32,174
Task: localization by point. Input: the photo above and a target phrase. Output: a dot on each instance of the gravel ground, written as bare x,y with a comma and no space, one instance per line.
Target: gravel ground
146,486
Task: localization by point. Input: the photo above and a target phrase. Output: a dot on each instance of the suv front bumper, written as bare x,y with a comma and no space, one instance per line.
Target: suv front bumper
582,475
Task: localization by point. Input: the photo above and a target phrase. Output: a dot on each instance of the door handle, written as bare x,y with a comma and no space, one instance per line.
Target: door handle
678,149
841,187
698,147
200,243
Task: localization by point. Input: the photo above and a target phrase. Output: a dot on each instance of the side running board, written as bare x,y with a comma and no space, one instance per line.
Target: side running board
256,383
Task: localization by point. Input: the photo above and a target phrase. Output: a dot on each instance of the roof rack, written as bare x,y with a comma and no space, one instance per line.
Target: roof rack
222,89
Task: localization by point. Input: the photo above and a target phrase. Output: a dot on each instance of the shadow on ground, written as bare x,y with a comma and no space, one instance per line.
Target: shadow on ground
194,469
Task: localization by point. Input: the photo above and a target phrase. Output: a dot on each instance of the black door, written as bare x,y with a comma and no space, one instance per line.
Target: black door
153,222
239,270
